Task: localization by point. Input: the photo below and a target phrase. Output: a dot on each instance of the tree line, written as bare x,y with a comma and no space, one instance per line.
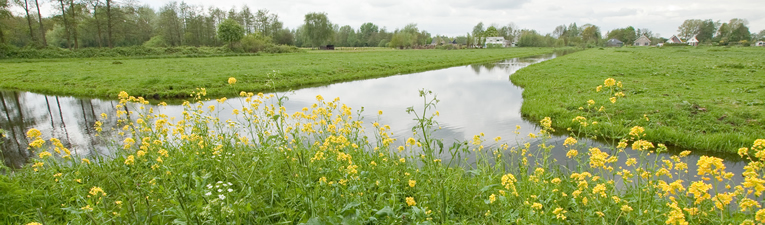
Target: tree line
78,24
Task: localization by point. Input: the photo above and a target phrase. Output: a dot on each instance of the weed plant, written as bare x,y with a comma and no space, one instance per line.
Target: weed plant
708,99
317,166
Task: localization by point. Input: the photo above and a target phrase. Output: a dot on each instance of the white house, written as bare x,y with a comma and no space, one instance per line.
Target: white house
760,43
693,41
674,40
495,41
642,41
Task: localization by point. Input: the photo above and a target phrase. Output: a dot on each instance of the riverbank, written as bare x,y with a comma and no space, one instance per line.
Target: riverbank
316,166
168,78
696,98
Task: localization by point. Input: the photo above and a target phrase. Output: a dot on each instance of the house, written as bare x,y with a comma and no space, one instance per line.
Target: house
760,43
495,41
613,42
693,41
642,41
674,40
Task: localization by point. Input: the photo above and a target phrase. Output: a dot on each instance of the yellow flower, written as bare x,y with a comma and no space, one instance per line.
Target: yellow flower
760,216
569,141
402,160
44,154
94,191
123,95
637,131
699,190
118,202
626,208
37,143
400,148
571,153
599,88
536,206
555,180
609,82
492,198
612,99
87,208
410,201
590,102
410,141
33,133
379,112
412,183
84,160
231,80
559,213
34,223
130,160
128,142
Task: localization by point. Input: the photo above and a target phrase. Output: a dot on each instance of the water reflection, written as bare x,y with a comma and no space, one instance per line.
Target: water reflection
474,99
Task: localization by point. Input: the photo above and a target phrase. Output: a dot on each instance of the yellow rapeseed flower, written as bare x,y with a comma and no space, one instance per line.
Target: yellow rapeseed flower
626,208
492,198
609,82
231,80
571,153
412,183
410,201
760,216
569,141
44,154
33,133
130,160
536,206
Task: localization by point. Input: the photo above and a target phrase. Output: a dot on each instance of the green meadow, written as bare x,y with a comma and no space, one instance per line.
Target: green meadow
178,77
695,98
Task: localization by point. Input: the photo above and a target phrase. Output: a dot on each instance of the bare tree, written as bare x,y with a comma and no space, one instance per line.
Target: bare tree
42,29
25,5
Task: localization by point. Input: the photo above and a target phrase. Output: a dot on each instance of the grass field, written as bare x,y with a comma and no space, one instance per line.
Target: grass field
697,98
178,77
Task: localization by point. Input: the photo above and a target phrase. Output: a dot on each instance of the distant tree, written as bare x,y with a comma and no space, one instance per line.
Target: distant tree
317,28
367,33
689,28
591,34
25,5
559,31
230,31
4,13
478,29
707,30
491,32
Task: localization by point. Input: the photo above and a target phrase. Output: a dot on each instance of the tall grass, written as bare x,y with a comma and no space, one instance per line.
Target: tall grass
317,165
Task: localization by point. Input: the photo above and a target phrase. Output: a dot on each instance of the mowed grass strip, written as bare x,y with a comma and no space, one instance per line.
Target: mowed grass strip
696,98
179,77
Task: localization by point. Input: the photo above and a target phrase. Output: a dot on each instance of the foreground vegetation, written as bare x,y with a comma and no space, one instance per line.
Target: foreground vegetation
697,98
317,166
178,77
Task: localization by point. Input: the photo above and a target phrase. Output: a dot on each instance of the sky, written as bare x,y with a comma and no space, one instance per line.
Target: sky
457,17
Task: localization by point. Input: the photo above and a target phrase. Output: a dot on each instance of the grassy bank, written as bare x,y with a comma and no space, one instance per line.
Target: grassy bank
315,166
178,77
696,98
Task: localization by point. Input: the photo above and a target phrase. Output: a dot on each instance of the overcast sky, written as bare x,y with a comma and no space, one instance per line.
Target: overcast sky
457,17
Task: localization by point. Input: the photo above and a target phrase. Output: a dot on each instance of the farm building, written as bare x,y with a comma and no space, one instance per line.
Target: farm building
674,40
642,41
613,42
693,41
495,41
